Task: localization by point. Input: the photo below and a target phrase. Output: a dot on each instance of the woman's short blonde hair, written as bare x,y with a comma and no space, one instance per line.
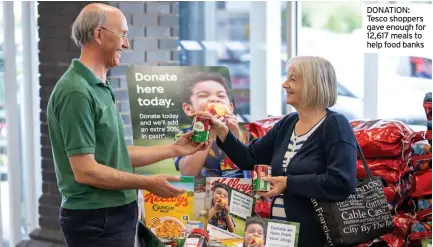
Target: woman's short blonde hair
320,81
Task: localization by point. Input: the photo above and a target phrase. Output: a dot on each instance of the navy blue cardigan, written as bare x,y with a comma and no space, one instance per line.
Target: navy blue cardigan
324,168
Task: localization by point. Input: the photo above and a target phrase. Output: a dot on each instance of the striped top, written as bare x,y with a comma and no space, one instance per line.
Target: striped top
295,144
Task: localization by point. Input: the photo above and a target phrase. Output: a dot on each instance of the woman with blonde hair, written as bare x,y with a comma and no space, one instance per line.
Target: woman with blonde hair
312,151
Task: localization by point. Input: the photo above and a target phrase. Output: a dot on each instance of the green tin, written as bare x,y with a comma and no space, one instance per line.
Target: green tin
261,171
201,128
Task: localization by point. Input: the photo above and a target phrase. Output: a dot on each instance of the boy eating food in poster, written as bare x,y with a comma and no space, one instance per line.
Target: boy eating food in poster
207,91
219,209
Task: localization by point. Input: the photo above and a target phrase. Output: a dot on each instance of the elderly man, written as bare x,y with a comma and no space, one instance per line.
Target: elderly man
94,167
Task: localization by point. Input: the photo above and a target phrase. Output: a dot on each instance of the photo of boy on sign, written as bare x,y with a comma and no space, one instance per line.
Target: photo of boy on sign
208,91
255,232
219,213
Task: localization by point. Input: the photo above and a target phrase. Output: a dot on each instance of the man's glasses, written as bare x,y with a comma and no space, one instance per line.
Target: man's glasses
123,36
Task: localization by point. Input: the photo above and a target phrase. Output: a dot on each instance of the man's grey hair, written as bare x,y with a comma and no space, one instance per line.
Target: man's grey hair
85,25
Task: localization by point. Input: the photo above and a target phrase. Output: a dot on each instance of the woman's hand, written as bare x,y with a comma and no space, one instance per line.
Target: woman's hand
231,121
278,186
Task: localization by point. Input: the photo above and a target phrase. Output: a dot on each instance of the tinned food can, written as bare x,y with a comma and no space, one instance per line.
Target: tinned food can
201,128
261,171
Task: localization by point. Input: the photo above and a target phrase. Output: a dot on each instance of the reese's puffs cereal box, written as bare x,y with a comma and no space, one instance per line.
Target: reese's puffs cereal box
167,217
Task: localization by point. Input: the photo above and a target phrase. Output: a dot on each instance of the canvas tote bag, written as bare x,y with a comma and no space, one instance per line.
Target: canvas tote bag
362,217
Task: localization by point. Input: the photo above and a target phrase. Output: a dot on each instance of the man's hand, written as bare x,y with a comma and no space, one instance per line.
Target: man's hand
184,146
160,186
278,186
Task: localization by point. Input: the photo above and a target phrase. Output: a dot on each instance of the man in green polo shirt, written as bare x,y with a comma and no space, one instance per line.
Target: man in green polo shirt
94,167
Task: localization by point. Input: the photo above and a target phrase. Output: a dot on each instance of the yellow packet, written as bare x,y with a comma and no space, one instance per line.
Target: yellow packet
167,217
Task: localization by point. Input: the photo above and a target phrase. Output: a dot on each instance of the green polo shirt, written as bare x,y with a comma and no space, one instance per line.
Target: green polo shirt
83,119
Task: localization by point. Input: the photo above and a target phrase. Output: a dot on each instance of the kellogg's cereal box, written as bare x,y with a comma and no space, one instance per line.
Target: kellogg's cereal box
167,217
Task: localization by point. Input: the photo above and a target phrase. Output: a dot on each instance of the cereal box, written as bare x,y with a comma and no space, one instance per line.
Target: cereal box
167,217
